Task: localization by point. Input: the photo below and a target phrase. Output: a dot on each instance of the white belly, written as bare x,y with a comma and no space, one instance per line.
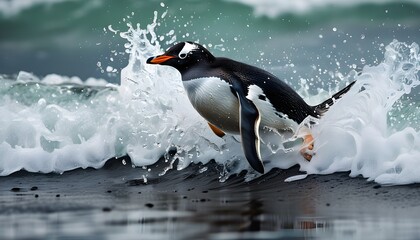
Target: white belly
213,100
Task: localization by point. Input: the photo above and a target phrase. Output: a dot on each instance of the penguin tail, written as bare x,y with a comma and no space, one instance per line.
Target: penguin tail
322,108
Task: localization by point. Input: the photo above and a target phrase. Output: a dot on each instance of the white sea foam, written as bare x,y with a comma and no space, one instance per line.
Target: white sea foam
166,118
274,8
13,7
355,134
49,125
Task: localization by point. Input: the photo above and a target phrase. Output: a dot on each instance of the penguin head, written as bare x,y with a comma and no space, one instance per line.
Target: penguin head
183,56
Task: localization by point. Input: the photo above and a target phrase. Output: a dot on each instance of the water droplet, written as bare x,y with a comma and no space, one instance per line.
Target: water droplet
407,66
334,29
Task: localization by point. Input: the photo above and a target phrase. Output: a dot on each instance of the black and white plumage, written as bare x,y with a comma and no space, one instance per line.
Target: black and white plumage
238,98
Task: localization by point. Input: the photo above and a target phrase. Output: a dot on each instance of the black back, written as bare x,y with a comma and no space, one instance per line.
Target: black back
284,99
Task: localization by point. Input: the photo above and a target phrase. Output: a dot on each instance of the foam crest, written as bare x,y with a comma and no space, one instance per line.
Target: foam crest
274,8
13,7
53,127
58,123
355,134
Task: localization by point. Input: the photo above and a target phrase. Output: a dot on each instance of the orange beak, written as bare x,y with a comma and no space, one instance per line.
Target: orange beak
159,59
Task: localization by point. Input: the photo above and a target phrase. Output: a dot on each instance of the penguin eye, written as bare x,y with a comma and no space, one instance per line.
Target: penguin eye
182,55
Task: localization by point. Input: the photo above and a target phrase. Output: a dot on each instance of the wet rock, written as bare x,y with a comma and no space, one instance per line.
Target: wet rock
106,209
149,205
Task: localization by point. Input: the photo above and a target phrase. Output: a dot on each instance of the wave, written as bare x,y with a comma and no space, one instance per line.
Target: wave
356,135
56,124
13,7
275,8
270,8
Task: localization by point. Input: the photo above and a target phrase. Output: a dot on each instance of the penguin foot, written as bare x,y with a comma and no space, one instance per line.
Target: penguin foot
308,146
217,130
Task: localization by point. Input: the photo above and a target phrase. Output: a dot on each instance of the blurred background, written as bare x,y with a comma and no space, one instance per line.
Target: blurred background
311,40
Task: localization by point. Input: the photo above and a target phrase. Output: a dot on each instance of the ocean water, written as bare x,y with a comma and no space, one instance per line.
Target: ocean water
75,90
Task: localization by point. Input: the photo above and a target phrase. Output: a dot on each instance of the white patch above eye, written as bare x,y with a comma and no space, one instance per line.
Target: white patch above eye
187,49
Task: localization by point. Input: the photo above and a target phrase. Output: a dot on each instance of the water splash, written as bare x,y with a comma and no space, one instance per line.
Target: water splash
365,111
57,124
164,121
356,136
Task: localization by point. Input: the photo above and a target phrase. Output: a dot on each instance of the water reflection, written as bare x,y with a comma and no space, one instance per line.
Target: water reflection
186,206
252,220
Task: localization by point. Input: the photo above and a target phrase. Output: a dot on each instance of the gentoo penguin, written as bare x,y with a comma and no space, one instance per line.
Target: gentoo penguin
238,98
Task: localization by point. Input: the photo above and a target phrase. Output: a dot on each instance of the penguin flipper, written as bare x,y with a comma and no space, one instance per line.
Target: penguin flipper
249,126
217,130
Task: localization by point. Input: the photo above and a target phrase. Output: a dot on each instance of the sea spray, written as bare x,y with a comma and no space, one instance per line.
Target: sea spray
355,134
168,123
53,124
57,123
342,137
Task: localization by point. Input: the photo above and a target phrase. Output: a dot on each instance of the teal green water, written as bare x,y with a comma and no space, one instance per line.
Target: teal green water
68,37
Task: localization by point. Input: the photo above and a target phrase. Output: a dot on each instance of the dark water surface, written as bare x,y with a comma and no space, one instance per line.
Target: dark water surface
113,203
